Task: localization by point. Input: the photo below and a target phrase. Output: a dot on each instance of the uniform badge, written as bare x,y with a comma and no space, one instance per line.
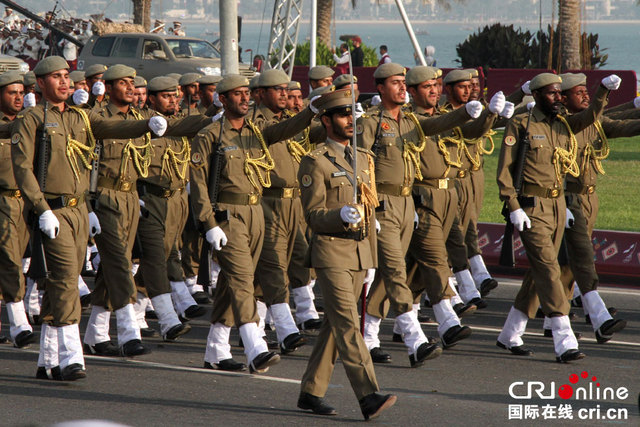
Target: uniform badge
15,138
359,128
509,140
306,180
385,126
196,158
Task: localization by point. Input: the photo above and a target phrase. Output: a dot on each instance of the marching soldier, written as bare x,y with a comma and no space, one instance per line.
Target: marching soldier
71,135
539,211
140,94
189,87
342,249
234,226
320,76
295,100
93,75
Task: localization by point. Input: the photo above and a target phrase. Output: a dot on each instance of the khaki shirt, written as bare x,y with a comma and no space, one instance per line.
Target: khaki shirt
236,145
545,135
7,180
325,190
60,179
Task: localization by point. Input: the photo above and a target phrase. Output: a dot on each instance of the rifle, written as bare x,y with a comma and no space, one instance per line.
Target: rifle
38,267
507,256
213,185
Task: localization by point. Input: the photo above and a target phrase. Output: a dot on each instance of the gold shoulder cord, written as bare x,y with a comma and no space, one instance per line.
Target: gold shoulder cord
264,163
565,161
76,150
411,152
178,161
597,154
141,154
298,149
457,139
369,194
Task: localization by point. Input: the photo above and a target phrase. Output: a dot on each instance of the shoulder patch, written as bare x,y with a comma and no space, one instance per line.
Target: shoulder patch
509,140
15,138
306,180
196,158
385,126
317,152
359,128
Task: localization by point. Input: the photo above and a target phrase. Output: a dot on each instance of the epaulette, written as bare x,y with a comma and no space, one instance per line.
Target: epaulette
318,152
366,151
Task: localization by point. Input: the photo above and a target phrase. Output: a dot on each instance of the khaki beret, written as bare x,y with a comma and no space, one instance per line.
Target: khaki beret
544,79
94,69
420,74
455,76
273,77
334,100
209,80
320,72
189,79
294,85
118,71
175,76
320,90
49,65
571,80
473,72
253,83
162,84
139,81
344,80
76,76
29,78
389,69
10,77
232,81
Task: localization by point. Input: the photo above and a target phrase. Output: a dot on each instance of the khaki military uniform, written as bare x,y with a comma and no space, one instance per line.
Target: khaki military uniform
542,200
14,234
340,262
238,210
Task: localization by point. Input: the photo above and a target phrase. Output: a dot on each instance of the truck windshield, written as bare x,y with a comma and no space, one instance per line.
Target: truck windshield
185,48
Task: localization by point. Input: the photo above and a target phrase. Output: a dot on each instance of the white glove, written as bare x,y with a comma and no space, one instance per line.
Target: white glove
525,88
530,105
496,105
636,102
94,224
378,227
350,215
142,205
519,219
359,110
216,100
188,188
507,112
406,98
95,262
474,108
375,100
98,88
218,116
80,96
568,223
216,238
416,220
29,100
611,82
158,125
49,224
313,107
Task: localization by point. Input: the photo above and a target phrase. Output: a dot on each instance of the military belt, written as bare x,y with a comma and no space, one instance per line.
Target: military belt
574,187
394,190
14,194
115,184
350,234
65,201
536,190
238,198
282,193
439,183
462,173
157,190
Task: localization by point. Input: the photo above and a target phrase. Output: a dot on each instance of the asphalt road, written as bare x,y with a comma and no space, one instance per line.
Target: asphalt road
468,385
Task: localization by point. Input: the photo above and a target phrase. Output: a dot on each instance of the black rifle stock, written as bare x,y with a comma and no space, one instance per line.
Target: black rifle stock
507,255
38,266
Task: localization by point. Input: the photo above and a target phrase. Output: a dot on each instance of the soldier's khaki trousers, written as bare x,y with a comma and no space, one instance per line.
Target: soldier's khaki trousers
234,301
65,257
340,335
14,238
118,213
455,241
471,237
190,248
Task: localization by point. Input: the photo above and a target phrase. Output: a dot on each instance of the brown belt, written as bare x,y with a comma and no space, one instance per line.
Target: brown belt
574,187
15,194
439,183
239,198
281,193
394,190
115,184
157,190
65,201
536,190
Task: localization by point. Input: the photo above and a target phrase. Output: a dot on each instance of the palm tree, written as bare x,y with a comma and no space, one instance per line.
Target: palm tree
569,34
142,13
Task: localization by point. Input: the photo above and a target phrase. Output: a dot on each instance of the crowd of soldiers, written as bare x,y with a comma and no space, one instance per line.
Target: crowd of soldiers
194,186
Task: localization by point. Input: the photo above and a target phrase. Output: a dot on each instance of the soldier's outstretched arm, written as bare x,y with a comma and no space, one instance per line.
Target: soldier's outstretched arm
117,129
480,126
620,128
439,124
506,162
201,152
288,128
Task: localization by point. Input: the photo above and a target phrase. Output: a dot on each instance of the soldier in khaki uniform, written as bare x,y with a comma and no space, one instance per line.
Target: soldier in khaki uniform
342,249
14,235
140,94
71,134
93,76
398,138
320,76
539,211
191,98
116,205
295,100
235,223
